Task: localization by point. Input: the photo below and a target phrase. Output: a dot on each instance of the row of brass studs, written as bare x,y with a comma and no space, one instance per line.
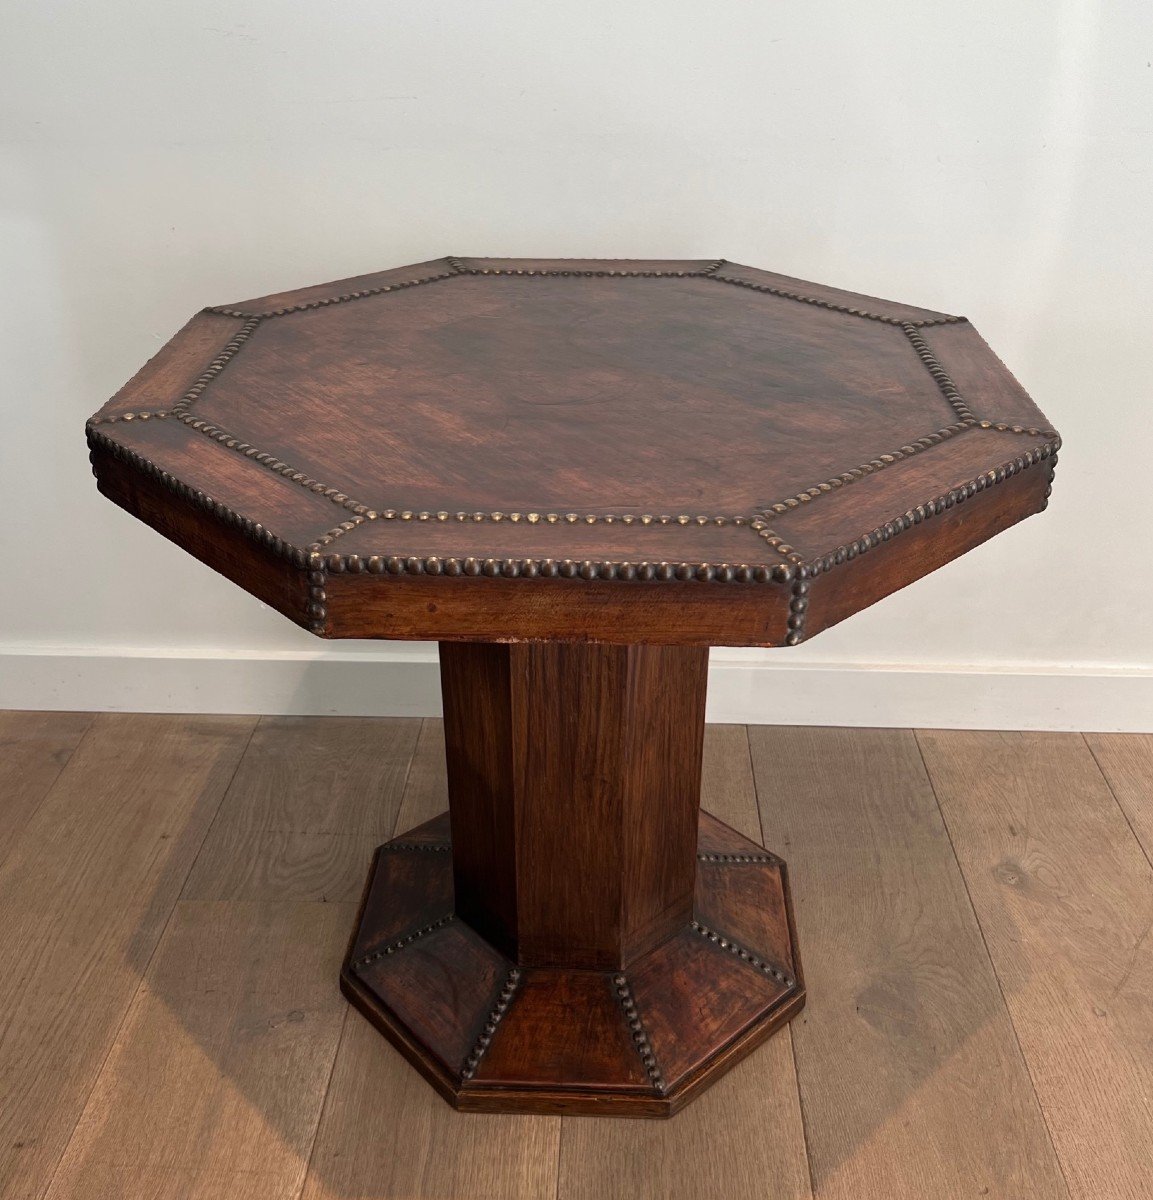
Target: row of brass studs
766,857
1005,427
727,943
459,267
316,609
274,464
215,366
181,411
775,540
798,607
637,1029
923,512
552,518
1052,473
400,943
112,418
203,380
328,301
832,306
494,1019
946,385
456,268
871,467
429,847
392,514
316,604
590,274
549,568
362,511
327,538
202,500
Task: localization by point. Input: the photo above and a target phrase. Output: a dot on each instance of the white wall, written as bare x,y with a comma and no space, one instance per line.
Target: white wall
993,158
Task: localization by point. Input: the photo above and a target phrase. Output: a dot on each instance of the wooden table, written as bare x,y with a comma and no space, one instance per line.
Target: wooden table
576,476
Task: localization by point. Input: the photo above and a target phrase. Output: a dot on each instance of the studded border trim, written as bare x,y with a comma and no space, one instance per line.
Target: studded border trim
639,1034
607,273
181,407
495,1016
328,301
551,568
399,944
733,947
917,446
831,305
202,500
930,508
765,856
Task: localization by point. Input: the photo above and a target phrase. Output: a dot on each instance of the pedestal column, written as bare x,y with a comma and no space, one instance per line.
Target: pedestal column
574,773
574,935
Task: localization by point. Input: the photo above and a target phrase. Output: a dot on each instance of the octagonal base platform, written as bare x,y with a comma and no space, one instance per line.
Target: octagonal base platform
492,1036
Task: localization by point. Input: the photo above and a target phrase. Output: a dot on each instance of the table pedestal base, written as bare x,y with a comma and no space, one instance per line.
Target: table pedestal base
492,1036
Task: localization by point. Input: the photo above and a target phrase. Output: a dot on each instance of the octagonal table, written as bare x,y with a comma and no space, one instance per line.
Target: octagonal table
576,476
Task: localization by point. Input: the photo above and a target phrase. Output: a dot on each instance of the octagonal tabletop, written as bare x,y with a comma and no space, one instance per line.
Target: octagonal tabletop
673,451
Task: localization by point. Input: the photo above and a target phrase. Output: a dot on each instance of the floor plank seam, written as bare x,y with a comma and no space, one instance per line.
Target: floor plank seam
28,817
402,791
141,983
1117,800
993,967
219,809
803,1114
323,1106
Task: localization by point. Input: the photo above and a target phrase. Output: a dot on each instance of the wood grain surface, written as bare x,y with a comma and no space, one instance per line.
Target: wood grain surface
85,892
909,1084
575,776
1065,897
215,1084
319,795
906,1054
34,748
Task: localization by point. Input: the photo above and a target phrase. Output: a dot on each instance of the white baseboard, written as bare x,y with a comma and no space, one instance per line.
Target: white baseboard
404,681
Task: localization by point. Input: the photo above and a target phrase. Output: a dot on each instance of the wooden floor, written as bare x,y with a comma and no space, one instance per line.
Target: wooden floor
974,911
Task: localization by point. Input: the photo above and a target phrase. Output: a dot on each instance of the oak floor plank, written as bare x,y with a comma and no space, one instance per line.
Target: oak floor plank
313,798
1126,761
912,1083
742,1138
384,1131
34,748
426,790
85,892
1065,897
214,1088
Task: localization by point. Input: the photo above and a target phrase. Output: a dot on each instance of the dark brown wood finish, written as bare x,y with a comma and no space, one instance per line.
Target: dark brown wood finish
469,449
576,476
496,1035
575,775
